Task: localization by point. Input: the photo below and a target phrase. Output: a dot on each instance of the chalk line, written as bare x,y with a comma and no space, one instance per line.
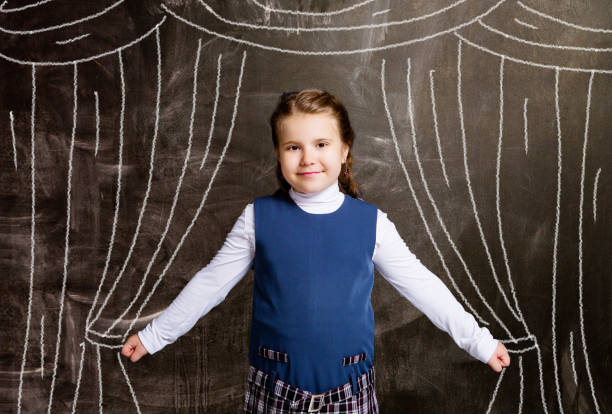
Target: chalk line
525,62
556,244
521,384
499,380
15,9
525,124
471,192
328,29
541,375
176,193
97,101
328,52
99,366
544,45
415,198
87,59
78,384
202,202
59,26
12,119
572,359
595,185
32,240
214,113
498,198
127,380
563,22
66,238
100,344
148,189
435,117
103,335
111,242
516,340
410,111
72,39
301,13
523,350
42,346
380,12
581,245
526,24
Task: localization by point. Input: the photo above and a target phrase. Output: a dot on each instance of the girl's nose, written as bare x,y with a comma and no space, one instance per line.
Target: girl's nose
307,157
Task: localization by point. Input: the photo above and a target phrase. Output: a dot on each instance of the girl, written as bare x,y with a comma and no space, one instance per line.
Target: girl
313,246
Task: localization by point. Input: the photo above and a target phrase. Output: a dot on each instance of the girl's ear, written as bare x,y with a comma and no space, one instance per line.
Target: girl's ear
345,151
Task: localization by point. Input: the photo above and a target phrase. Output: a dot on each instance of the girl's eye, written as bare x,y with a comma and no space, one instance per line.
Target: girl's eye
291,147
323,143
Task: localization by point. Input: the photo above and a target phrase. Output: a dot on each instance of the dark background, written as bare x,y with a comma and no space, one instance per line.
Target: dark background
513,213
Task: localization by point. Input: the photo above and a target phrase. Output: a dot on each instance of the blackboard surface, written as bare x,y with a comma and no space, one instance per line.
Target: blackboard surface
133,134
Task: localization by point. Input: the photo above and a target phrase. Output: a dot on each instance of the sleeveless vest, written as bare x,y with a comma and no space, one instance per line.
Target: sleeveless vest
313,324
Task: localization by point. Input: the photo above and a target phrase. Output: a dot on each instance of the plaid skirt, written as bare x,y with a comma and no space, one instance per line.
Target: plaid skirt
285,398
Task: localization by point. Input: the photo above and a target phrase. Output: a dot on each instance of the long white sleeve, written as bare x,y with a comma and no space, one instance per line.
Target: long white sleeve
207,288
400,267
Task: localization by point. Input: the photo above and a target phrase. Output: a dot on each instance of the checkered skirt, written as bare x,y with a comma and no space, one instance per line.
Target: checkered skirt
285,398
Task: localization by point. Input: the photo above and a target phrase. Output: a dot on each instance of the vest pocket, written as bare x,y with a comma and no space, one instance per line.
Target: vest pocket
353,359
272,354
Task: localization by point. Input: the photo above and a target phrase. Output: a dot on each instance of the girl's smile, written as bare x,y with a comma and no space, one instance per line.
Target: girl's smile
310,151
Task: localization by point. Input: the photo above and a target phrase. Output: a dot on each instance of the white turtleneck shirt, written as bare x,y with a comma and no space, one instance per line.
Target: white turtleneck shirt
391,257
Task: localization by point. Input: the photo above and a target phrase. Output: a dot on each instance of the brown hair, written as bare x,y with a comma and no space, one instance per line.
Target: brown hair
315,101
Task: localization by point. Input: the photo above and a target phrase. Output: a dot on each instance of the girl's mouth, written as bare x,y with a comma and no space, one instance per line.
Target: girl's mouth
308,174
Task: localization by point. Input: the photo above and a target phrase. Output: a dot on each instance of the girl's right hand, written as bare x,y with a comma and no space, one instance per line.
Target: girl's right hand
133,348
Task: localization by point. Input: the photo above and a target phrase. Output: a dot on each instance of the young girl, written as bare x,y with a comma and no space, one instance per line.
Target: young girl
313,246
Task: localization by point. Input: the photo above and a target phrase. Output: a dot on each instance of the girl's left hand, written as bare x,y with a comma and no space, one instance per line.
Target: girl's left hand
500,358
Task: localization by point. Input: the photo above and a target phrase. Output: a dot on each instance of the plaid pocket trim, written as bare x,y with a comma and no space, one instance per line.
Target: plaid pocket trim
354,359
272,354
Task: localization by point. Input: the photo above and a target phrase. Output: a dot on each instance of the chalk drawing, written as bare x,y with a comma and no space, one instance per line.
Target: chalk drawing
525,124
381,12
328,52
42,346
3,9
149,181
581,247
202,202
127,380
32,240
572,359
523,350
71,40
415,198
525,24
66,239
78,384
498,197
525,62
174,201
301,13
71,23
521,384
214,112
328,29
595,185
471,192
97,103
545,45
12,119
556,244
563,22
86,59
99,366
435,117
434,205
111,243
499,380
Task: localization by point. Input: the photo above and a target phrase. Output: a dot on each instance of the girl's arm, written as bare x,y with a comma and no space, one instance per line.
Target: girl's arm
207,288
400,267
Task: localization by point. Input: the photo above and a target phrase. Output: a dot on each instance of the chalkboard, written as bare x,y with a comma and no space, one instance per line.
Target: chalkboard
135,132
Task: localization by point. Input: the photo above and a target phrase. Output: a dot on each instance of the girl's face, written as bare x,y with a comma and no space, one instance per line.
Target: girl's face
310,151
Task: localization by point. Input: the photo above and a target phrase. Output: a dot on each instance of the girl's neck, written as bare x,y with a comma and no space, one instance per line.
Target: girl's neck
321,202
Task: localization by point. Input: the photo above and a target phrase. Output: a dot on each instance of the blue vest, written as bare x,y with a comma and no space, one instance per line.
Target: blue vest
313,323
